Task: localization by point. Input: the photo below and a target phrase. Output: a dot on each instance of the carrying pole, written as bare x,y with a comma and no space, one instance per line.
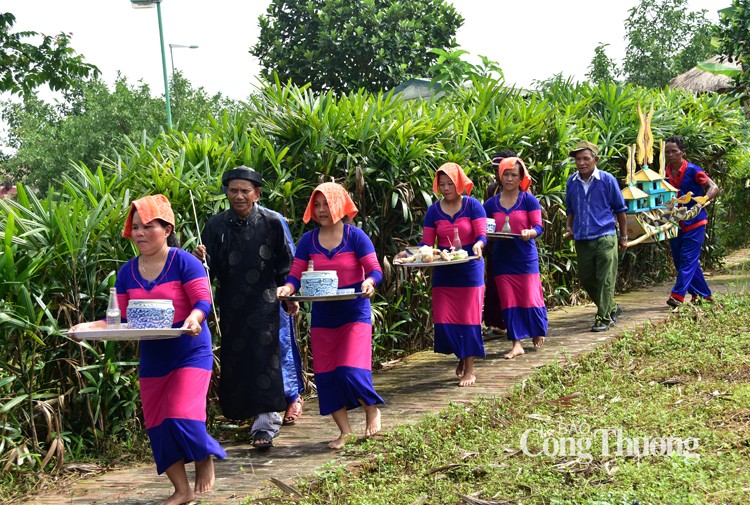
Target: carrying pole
205,265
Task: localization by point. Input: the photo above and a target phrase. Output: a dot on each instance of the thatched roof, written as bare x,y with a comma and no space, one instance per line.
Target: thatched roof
418,88
696,80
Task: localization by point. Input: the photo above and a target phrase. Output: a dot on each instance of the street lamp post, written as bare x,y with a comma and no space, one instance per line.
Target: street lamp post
137,4
171,55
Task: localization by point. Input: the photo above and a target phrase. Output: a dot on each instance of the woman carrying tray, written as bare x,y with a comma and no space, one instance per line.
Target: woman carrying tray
457,290
174,373
515,261
340,331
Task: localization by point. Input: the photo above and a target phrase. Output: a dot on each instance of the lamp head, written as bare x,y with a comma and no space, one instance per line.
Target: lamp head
143,4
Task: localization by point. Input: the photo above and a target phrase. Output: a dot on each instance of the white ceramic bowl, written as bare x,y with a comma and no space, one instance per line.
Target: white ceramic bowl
145,314
491,225
319,283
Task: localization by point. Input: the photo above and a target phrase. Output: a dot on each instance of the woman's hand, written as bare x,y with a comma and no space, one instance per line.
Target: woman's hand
93,325
285,290
402,254
192,325
477,248
292,308
368,288
528,234
82,327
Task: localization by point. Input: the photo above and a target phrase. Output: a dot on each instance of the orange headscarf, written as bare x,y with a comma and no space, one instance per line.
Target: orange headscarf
149,208
340,203
457,175
510,164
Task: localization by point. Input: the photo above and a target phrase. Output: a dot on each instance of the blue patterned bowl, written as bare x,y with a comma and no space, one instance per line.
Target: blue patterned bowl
319,283
491,225
145,314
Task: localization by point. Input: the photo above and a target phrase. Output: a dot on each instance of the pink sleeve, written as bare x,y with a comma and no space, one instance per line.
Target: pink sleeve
535,218
298,266
372,267
428,236
479,226
370,263
199,291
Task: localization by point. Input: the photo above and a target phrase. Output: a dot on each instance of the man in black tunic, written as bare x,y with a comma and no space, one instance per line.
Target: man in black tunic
247,253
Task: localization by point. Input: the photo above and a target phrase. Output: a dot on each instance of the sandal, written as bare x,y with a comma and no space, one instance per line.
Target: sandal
293,411
262,440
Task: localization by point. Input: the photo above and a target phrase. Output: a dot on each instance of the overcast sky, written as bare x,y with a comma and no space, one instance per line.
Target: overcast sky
530,39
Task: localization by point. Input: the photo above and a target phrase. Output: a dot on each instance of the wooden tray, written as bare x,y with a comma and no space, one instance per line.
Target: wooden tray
437,263
324,298
128,334
499,234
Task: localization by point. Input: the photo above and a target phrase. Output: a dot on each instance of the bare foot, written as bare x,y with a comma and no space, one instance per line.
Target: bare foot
339,443
204,475
179,498
372,421
460,368
467,380
538,342
517,350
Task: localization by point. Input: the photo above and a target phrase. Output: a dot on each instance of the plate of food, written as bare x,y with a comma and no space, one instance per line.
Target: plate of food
323,298
503,234
427,256
127,334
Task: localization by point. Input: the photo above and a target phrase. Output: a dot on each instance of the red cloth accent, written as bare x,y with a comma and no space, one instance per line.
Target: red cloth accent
693,226
676,181
457,175
149,208
340,204
701,177
509,164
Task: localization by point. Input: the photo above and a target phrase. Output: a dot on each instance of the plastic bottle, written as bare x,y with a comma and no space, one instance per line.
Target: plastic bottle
113,310
456,240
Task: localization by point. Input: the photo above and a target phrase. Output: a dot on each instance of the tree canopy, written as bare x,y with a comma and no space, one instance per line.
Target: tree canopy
91,122
733,37
602,68
664,40
25,66
345,45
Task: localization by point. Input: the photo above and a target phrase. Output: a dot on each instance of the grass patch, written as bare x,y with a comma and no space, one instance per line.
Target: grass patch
17,483
661,415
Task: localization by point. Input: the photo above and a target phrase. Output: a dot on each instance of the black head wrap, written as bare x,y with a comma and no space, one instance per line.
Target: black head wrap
241,172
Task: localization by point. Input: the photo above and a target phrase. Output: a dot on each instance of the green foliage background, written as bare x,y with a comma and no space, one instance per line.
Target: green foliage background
90,123
664,39
346,45
24,66
60,252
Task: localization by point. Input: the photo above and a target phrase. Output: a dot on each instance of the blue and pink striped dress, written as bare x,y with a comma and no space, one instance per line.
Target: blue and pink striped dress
515,263
457,290
341,331
174,373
